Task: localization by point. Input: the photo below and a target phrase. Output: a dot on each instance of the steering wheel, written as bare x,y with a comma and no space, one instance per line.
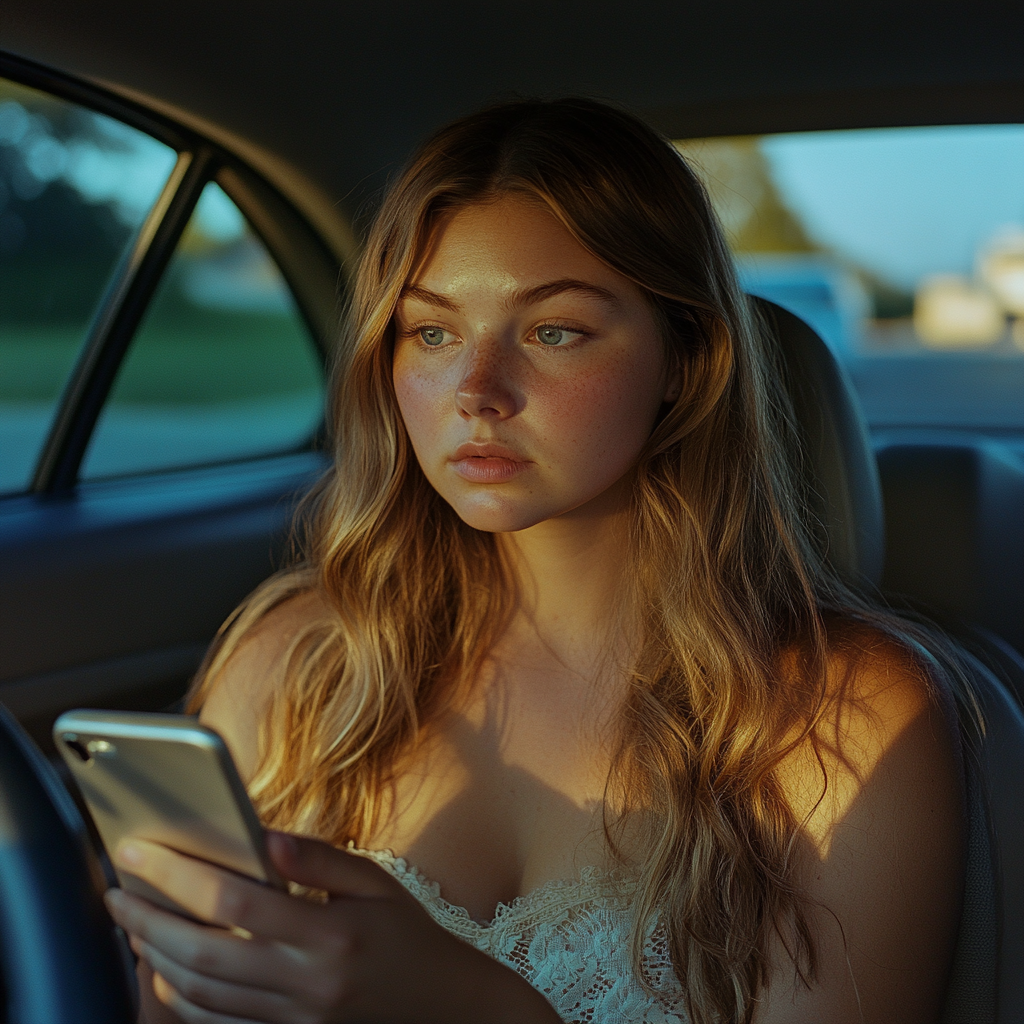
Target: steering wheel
62,961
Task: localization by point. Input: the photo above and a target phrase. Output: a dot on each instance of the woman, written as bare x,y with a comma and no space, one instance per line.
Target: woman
560,639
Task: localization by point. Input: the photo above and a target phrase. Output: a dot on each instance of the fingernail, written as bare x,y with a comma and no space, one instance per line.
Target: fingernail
163,990
129,854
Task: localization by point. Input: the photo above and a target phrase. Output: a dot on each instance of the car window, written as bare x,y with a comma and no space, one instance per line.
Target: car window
75,187
904,247
222,367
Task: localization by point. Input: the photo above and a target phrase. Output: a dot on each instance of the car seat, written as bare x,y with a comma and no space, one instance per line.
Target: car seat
963,497
986,984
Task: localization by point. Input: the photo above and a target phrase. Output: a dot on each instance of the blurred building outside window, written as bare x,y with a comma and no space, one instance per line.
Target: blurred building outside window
903,247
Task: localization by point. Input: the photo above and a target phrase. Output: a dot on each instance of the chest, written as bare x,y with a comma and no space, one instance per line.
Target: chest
499,798
570,940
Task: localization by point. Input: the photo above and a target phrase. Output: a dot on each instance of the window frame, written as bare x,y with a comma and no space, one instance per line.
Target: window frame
311,271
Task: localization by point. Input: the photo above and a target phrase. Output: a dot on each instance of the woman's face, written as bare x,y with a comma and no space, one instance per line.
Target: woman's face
529,374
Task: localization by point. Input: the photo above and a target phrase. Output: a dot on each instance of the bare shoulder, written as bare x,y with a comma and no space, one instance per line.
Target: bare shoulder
241,690
880,852
881,700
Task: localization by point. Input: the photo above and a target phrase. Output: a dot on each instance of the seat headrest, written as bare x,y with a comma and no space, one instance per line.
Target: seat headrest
839,465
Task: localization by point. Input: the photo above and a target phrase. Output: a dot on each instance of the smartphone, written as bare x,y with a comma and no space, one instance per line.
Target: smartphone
170,780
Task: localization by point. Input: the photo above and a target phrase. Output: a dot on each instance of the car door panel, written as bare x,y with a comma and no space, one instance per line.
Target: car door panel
111,589
112,593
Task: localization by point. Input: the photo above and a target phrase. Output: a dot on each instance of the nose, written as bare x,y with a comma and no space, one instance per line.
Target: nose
484,390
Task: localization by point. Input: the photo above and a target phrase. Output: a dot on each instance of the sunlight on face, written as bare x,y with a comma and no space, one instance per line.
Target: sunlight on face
529,374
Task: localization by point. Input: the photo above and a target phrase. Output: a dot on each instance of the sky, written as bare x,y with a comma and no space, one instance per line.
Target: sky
903,202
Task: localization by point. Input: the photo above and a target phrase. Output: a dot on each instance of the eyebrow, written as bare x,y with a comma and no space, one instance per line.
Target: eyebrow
520,297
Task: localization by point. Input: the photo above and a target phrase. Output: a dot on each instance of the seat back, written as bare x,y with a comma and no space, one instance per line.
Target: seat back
965,498
841,474
987,979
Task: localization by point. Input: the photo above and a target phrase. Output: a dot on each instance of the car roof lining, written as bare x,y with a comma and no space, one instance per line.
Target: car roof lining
340,91
884,107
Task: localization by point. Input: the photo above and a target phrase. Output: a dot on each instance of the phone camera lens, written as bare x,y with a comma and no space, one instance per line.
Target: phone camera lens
72,742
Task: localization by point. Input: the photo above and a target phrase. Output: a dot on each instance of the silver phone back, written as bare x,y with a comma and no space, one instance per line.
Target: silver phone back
167,779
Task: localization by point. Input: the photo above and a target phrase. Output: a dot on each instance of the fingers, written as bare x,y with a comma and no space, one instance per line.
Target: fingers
207,975
188,1012
195,997
219,896
322,866
202,950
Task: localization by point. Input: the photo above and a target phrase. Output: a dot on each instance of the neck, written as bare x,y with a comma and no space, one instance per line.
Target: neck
569,574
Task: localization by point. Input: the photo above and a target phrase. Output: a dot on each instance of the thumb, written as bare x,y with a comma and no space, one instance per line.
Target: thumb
319,865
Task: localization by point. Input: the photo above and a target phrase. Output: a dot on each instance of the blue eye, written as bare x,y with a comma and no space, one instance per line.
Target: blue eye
551,335
432,336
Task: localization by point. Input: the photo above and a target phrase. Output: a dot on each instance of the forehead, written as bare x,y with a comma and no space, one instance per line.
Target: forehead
510,242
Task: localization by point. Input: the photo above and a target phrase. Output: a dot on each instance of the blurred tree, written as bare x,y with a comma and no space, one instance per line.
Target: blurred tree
739,182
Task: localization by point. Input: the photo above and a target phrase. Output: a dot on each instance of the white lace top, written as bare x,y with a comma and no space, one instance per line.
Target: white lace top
570,940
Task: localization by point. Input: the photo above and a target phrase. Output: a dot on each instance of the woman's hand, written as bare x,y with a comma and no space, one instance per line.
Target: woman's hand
370,953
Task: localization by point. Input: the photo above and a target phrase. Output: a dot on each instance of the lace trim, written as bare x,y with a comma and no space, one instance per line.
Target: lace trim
553,896
569,939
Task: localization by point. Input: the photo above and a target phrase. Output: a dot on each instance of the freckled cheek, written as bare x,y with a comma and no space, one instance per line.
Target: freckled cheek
601,417
422,402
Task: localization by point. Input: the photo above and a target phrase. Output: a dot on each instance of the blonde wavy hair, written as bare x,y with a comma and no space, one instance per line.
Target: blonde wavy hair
729,582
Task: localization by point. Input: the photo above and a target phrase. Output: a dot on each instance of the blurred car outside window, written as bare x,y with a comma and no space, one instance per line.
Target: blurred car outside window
903,247
75,187
223,367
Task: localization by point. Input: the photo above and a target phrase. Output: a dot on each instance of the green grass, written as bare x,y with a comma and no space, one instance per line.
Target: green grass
34,364
207,361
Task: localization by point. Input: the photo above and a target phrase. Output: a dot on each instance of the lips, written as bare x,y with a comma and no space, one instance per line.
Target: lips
487,462
485,450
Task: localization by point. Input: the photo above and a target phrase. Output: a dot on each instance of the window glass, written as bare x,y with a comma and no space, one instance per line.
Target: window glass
904,247
223,366
75,186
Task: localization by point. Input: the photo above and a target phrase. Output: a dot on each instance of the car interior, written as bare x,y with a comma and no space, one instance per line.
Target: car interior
182,193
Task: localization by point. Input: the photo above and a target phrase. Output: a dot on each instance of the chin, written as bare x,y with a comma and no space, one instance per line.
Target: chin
498,516
497,523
